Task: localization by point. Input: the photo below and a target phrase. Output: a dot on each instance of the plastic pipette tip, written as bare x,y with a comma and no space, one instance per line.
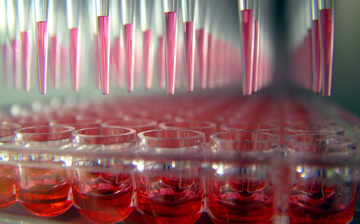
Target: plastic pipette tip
16,81
200,37
6,52
189,31
170,50
118,48
96,54
74,58
326,31
210,69
103,36
53,44
146,53
255,66
246,32
129,55
161,61
42,44
25,59
317,62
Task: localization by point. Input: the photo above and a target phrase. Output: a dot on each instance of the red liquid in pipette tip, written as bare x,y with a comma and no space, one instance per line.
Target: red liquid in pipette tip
310,59
104,51
47,196
119,49
25,59
42,45
7,189
53,43
326,29
129,55
316,45
170,50
200,41
247,32
255,68
16,79
111,202
211,65
161,61
188,39
96,53
74,58
146,53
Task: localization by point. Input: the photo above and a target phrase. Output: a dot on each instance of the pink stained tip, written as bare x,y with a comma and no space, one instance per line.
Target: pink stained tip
74,58
52,54
246,33
210,63
42,45
255,68
146,52
96,54
170,50
327,46
6,54
129,55
310,60
200,47
161,64
25,60
189,31
118,52
16,79
104,51
316,55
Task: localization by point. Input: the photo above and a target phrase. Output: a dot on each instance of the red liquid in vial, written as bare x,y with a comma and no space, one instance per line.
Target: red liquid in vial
47,196
169,200
245,201
41,37
170,50
146,52
247,32
104,51
107,202
53,43
129,55
7,186
326,38
188,39
74,58
316,45
25,59
200,39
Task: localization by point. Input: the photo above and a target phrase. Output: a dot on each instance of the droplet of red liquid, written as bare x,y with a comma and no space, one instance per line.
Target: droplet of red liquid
104,51
74,58
129,55
189,30
170,50
42,45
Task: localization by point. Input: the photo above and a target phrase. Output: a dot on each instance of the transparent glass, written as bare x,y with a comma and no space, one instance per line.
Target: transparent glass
77,123
208,128
102,197
7,130
307,128
43,191
242,192
250,126
72,12
170,191
321,191
139,125
41,8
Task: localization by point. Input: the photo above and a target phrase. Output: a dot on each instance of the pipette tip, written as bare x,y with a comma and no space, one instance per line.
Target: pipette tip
170,49
129,54
74,58
25,59
42,44
200,45
146,53
104,50
53,52
189,31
